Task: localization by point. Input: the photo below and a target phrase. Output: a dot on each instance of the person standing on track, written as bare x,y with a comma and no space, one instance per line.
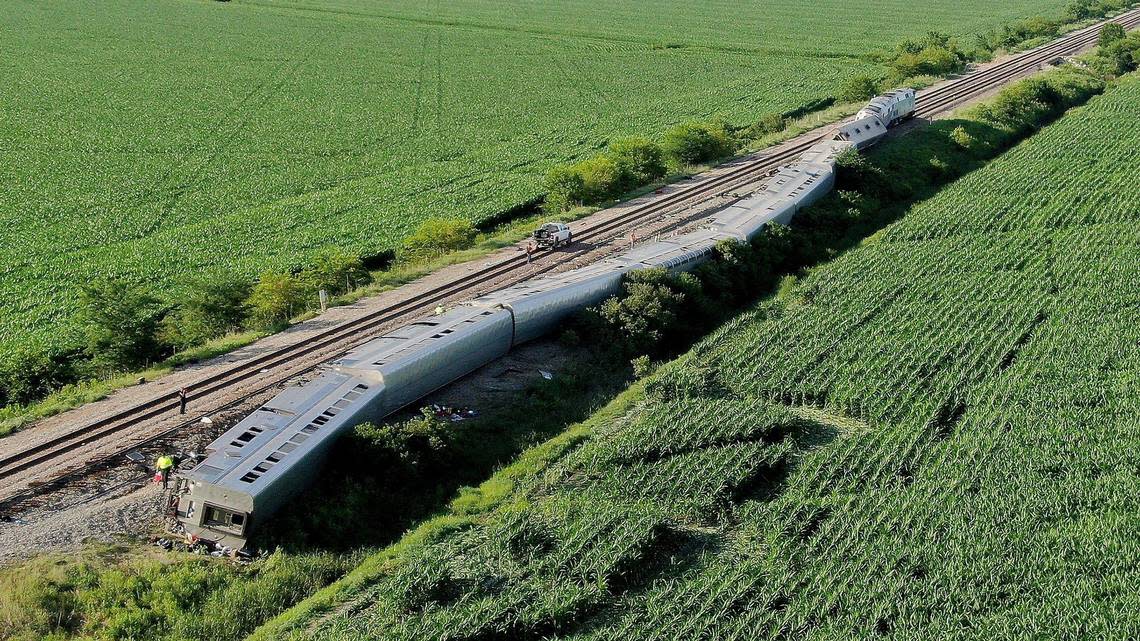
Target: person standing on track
182,394
164,464
529,252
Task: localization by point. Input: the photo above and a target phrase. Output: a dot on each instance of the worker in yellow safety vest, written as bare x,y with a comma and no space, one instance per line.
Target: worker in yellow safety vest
164,465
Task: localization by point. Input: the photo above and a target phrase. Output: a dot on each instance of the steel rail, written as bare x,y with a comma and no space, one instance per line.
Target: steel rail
957,91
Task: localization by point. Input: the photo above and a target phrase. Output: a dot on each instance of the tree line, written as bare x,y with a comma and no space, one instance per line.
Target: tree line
127,325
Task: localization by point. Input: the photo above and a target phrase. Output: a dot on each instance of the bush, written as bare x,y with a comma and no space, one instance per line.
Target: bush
601,178
1110,33
404,449
1030,103
962,138
1086,9
640,160
1119,56
933,55
1014,34
208,306
858,89
564,189
439,236
120,321
656,309
772,123
642,366
335,271
627,164
30,374
694,142
275,299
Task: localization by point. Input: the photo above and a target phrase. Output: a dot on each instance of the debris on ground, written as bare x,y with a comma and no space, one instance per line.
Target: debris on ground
453,414
192,544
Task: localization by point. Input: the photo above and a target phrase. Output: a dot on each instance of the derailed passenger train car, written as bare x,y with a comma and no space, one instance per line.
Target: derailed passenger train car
274,453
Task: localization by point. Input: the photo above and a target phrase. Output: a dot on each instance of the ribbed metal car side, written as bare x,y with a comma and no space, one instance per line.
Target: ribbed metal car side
419,358
540,304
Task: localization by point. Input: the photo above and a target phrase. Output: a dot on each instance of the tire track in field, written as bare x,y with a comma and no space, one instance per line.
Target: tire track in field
437,135
418,100
194,179
155,189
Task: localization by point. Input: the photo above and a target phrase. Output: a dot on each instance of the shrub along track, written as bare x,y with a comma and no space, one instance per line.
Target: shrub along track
31,470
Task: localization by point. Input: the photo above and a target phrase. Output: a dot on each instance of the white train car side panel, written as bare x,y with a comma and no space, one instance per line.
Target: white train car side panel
863,132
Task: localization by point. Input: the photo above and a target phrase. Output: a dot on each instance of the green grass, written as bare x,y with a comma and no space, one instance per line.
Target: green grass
151,139
932,436
16,417
126,593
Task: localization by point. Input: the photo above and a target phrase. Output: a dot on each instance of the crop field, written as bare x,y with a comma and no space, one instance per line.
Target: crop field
935,436
154,139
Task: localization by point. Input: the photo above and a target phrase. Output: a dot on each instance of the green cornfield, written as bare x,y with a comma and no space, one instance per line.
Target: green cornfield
150,139
935,436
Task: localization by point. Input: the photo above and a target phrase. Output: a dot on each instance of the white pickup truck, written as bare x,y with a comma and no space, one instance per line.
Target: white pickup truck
552,235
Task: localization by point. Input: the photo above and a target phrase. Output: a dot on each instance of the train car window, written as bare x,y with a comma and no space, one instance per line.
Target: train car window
221,519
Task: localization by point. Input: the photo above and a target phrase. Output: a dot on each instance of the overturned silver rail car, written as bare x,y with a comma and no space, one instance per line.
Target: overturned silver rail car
273,454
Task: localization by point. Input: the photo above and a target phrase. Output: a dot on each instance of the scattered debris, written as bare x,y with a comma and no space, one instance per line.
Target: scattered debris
194,545
453,414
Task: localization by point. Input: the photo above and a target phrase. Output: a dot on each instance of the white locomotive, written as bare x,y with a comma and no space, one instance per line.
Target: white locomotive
274,453
882,113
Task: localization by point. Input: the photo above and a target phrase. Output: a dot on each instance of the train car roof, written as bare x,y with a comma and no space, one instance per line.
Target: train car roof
288,425
369,360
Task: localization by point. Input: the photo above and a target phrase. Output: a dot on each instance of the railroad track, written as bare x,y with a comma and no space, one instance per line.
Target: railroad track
350,334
